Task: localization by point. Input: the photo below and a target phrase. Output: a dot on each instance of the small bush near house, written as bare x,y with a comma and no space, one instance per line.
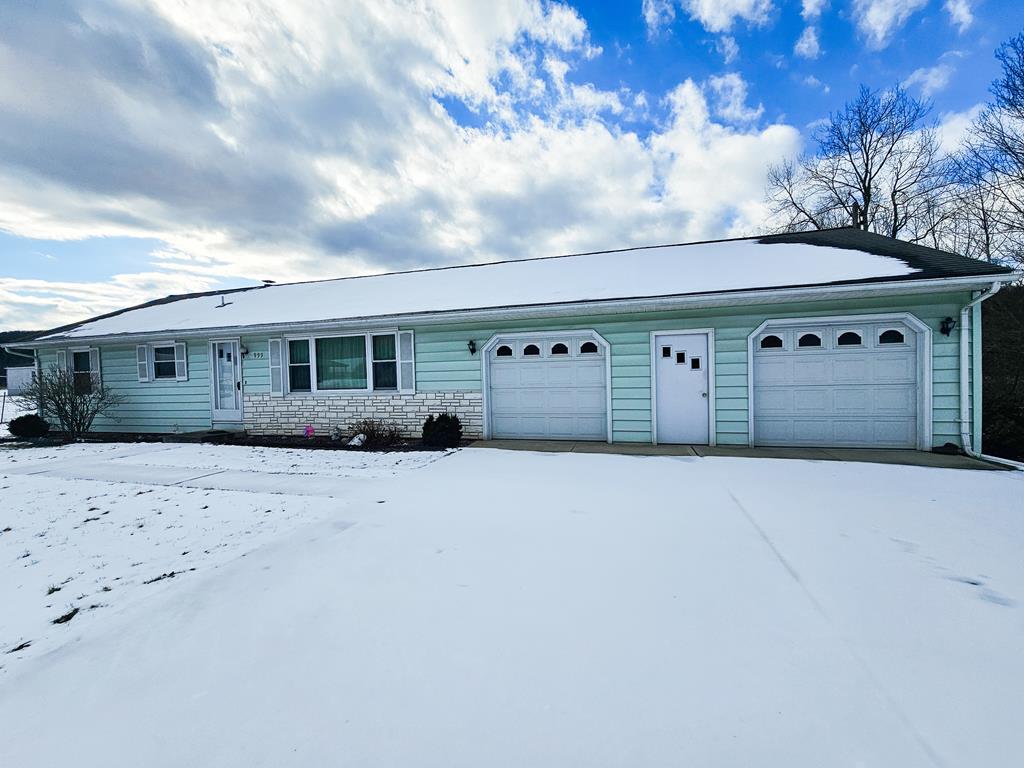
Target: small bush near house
442,431
73,402
377,433
28,426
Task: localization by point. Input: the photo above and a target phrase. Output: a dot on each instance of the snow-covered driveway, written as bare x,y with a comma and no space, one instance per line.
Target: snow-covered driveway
494,608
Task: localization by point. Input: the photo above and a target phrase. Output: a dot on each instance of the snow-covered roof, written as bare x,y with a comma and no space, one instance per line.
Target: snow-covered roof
806,259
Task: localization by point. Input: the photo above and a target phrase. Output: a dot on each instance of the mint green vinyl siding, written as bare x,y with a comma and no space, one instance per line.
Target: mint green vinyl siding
153,406
256,365
444,364
443,361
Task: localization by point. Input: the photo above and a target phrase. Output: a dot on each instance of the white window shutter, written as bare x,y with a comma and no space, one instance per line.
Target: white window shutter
276,367
180,362
406,362
142,360
62,360
94,366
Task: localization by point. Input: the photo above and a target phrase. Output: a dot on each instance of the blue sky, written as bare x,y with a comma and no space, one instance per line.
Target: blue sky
158,147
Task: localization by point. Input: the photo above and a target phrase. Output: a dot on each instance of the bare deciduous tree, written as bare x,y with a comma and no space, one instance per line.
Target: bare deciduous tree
57,395
991,164
878,155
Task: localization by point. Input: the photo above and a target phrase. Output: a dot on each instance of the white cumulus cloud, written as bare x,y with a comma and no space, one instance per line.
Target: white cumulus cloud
878,20
930,80
807,46
961,15
812,9
311,139
714,15
730,99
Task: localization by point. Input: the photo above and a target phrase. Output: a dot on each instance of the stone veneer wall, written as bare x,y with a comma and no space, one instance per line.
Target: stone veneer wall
266,414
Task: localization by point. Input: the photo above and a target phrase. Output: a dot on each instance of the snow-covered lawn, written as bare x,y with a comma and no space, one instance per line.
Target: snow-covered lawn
504,608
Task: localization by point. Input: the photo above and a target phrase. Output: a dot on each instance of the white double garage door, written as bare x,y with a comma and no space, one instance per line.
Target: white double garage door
845,384
547,387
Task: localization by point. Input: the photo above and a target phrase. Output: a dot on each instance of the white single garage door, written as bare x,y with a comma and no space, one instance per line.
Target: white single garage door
547,387
837,384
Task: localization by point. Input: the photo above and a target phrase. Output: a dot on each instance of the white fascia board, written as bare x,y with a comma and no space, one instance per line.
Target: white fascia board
571,309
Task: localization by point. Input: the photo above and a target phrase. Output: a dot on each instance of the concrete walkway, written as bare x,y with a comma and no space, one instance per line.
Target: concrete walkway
875,456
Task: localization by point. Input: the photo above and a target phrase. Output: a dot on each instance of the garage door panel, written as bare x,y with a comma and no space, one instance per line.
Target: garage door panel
810,370
590,374
853,432
775,371
895,432
776,401
811,431
557,397
856,400
850,369
895,368
860,397
817,400
897,400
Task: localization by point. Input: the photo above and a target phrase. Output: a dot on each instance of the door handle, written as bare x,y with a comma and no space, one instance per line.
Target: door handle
703,394
238,386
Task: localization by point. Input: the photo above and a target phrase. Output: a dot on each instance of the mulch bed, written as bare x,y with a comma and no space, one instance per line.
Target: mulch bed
316,443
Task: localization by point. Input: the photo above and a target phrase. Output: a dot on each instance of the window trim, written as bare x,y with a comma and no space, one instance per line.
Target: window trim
152,360
552,353
368,347
149,350
535,345
887,344
799,335
842,331
94,373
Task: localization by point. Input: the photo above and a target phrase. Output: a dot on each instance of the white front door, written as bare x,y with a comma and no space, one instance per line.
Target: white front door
226,373
681,383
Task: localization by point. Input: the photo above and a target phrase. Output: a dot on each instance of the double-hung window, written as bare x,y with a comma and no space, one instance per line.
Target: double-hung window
366,362
81,371
385,362
163,362
300,378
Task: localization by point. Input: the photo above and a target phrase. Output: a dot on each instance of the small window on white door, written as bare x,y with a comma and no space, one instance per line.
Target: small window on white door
695,363
588,348
680,358
771,341
666,351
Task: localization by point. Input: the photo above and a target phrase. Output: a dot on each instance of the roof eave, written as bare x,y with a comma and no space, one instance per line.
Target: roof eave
596,307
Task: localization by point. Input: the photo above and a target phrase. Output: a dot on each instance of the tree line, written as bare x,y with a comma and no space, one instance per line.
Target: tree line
879,164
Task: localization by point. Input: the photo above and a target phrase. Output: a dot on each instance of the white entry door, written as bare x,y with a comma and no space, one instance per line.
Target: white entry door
681,385
226,373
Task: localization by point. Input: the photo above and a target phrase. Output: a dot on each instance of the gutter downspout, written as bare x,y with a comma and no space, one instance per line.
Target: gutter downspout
965,394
